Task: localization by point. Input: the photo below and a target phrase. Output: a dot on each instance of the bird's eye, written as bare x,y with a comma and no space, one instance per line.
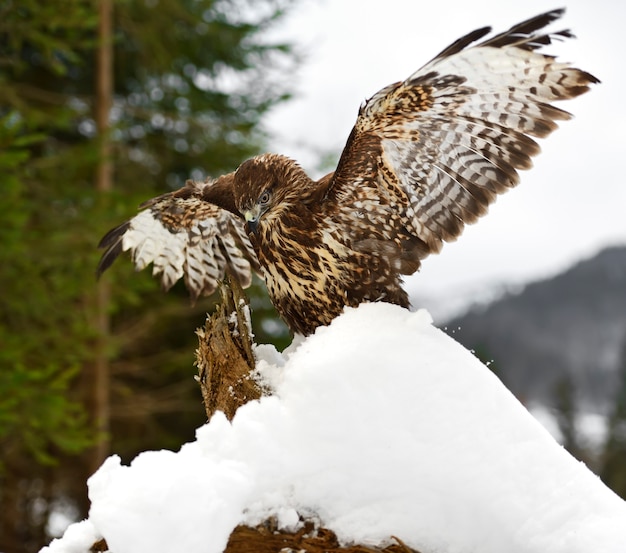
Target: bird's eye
265,198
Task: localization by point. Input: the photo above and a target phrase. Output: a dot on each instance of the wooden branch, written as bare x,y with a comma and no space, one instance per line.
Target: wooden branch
224,357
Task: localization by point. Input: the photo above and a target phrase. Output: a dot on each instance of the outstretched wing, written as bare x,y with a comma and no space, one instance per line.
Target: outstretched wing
184,236
437,148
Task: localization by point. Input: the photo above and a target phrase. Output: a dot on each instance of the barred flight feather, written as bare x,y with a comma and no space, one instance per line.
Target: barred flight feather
184,237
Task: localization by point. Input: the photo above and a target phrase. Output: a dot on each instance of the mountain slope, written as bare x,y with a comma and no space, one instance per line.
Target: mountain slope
572,325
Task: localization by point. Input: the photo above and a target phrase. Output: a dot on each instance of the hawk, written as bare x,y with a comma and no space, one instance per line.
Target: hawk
426,156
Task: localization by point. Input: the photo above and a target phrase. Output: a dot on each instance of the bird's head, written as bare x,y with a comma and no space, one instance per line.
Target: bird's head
260,190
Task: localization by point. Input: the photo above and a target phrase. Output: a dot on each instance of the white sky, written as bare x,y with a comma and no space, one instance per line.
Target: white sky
570,205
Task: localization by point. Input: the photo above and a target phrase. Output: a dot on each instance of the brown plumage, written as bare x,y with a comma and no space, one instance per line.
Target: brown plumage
426,157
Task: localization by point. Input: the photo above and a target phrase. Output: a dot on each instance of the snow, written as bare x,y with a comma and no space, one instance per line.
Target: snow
78,538
379,425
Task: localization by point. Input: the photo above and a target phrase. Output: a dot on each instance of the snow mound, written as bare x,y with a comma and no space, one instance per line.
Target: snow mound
380,425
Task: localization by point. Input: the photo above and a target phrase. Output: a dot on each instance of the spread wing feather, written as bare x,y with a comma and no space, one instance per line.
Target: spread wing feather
184,236
446,141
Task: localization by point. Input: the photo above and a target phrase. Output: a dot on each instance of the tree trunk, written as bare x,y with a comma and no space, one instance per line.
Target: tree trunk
104,171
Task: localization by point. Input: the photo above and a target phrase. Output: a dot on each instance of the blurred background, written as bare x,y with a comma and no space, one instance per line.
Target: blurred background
104,105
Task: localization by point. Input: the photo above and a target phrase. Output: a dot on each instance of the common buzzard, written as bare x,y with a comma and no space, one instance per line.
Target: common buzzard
426,157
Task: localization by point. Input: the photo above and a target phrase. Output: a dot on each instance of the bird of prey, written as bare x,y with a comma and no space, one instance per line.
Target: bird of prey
426,156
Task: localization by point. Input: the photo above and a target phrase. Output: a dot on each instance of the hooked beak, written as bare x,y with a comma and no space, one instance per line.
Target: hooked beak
252,216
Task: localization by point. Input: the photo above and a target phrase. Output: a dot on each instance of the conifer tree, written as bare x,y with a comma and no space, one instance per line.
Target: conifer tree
613,471
191,81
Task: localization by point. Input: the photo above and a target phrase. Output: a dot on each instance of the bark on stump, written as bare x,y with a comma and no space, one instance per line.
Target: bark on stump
266,538
224,357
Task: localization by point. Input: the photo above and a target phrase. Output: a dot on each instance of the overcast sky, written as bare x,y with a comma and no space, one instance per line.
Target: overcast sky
570,205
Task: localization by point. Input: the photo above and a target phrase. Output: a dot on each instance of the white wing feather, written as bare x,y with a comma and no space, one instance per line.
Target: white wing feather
183,236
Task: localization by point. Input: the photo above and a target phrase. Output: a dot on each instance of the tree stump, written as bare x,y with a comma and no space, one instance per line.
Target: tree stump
224,356
226,363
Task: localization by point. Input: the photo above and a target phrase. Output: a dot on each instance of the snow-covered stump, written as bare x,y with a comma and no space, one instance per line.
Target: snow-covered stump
378,425
224,356
226,367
